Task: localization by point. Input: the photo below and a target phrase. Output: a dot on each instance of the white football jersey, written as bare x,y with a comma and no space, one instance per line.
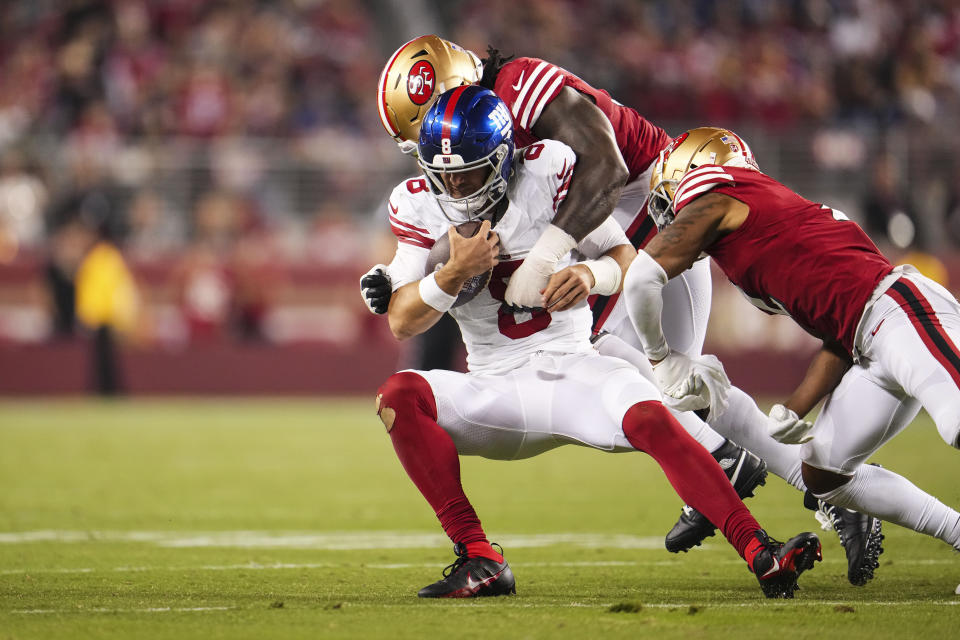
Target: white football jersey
499,340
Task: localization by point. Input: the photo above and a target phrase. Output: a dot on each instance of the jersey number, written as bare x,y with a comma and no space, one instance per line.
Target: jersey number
533,151
417,185
507,320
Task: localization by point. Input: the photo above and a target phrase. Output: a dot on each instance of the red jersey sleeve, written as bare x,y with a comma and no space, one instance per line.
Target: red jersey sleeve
528,85
697,182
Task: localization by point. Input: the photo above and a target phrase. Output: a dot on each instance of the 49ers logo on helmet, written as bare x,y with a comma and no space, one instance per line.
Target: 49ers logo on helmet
421,82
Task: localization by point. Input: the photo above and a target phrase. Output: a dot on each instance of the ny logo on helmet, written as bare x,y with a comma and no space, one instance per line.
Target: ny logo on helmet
421,82
501,119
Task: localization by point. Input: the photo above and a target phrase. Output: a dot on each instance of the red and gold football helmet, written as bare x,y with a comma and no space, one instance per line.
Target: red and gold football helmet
689,150
416,74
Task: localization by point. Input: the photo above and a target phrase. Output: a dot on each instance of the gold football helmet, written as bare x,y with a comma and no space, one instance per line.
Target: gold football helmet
689,150
415,75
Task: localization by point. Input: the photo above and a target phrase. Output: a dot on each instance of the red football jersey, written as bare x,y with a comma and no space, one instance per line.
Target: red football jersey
791,255
528,85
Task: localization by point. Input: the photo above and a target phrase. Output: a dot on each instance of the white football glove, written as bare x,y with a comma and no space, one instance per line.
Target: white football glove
531,277
709,370
691,384
784,425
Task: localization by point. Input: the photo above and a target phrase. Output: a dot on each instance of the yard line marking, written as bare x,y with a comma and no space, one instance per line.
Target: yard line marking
255,566
335,541
106,610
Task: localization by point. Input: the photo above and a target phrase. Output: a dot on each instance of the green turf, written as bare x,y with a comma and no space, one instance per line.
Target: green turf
217,518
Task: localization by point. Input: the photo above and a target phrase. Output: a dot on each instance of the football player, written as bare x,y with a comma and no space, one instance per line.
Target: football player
534,382
616,148
889,334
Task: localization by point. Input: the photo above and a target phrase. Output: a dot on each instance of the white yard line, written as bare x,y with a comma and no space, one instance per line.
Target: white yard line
252,566
105,610
334,541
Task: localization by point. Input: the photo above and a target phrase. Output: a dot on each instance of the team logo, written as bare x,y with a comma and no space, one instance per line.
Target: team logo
730,143
421,82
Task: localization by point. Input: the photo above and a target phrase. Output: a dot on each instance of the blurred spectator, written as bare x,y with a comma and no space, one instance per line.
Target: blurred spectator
23,199
107,304
887,216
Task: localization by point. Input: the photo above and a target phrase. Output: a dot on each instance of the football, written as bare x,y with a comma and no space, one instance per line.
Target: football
440,253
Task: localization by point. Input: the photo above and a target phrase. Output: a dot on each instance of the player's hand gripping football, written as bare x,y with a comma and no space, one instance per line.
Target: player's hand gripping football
692,383
472,256
785,426
376,288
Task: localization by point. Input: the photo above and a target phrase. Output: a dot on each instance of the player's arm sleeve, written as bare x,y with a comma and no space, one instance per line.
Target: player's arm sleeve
527,86
408,265
602,239
575,120
643,296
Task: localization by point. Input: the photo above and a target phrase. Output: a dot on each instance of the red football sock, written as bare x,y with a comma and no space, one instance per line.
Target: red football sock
429,456
694,474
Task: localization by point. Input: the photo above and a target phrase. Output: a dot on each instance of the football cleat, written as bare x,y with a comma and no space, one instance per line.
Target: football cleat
472,578
777,565
861,537
745,471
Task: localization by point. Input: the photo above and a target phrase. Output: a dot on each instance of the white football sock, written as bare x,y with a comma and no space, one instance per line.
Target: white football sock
699,430
745,424
883,494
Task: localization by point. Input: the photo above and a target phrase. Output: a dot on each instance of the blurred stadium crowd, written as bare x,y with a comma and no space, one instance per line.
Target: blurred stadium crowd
232,150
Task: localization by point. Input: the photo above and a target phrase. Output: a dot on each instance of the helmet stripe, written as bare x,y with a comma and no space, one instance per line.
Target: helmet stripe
448,112
745,150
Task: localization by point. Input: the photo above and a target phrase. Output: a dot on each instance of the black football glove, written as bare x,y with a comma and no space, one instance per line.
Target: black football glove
376,289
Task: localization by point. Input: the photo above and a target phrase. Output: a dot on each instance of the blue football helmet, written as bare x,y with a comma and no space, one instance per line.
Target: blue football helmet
467,128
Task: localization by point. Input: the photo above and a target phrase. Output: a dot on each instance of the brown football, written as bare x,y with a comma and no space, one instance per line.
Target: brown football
440,253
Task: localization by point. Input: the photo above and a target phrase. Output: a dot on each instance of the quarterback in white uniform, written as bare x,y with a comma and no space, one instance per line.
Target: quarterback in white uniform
534,381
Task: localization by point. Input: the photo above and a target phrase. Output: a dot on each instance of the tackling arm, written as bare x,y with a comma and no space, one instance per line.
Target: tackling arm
568,287
822,377
786,423
670,253
594,191
575,120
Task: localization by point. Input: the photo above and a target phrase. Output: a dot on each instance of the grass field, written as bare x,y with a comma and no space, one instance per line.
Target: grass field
293,518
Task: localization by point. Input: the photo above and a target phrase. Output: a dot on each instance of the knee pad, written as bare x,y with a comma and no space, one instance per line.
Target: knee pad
404,392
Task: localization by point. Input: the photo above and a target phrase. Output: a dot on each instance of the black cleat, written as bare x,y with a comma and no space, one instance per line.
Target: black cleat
779,564
745,471
860,536
472,578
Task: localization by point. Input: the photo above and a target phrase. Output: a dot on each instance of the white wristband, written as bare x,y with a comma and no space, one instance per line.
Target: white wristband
606,275
434,296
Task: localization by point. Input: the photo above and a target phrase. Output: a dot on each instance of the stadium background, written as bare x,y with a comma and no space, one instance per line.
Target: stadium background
233,153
